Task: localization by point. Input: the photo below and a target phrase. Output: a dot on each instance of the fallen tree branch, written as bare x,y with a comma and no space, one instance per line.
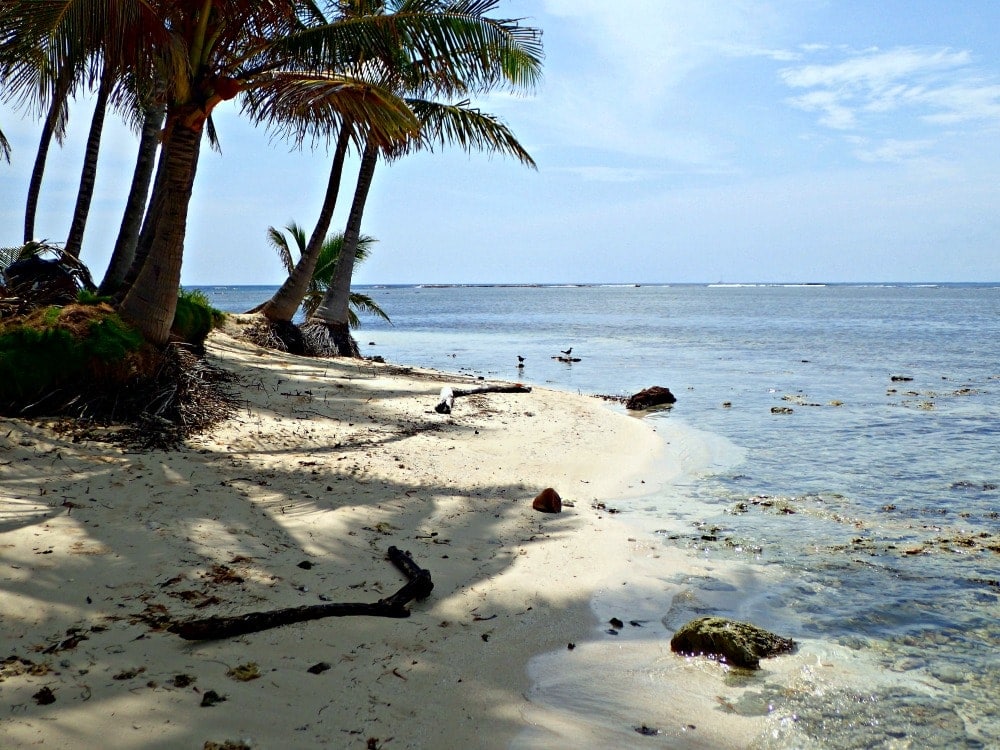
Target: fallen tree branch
418,586
448,395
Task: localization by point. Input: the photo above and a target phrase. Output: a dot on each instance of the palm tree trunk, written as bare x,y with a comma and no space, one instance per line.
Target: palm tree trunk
128,234
149,221
53,125
334,310
74,243
151,302
282,306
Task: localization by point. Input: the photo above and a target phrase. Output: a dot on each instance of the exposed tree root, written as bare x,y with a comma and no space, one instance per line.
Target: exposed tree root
418,586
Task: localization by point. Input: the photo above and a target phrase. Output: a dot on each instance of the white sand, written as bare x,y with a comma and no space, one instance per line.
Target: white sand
329,462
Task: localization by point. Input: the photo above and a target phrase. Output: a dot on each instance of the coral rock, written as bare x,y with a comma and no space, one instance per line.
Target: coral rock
736,643
654,396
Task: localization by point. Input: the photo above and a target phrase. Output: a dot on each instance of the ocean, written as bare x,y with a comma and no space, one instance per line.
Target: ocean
846,487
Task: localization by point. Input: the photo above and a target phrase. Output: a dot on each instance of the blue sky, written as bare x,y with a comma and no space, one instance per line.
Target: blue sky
689,141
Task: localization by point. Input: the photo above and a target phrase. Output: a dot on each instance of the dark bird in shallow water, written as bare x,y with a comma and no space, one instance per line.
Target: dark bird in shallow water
568,351
520,359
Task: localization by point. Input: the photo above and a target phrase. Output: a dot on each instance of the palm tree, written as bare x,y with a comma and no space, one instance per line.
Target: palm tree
495,50
88,177
320,281
440,124
210,51
135,205
225,54
4,147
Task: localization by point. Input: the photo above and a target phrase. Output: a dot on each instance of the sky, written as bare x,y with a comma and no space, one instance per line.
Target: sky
677,141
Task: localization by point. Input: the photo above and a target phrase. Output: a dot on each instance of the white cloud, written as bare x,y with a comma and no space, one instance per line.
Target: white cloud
833,112
893,151
934,87
963,102
875,71
609,174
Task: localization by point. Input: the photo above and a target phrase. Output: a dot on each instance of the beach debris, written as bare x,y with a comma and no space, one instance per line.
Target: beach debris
45,696
418,586
14,666
653,396
244,672
781,410
31,281
74,636
547,501
182,680
318,668
646,731
448,395
129,674
210,698
227,745
900,378
738,643
616,623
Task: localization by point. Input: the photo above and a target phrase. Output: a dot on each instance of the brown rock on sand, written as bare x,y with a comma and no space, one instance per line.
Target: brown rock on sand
548,501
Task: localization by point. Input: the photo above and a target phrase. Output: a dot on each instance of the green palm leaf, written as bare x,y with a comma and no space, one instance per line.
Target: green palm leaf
325,266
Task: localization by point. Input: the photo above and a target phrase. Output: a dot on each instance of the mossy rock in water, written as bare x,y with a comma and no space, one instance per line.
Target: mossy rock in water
738,643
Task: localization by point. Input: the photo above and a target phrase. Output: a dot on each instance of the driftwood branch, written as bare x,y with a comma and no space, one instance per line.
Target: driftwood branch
418,586
448,395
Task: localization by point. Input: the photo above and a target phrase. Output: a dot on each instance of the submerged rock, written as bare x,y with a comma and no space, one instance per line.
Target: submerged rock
738,643
650,397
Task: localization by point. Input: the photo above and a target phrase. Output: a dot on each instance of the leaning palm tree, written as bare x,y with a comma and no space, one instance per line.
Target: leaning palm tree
135,205
225,54
495,50
323,273
441,124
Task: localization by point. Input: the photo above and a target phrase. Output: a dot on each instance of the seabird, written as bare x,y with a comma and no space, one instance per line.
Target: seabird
568,351
520,358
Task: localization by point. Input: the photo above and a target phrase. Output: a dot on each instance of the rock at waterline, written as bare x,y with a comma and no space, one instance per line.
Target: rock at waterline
654,396
548,501
738,643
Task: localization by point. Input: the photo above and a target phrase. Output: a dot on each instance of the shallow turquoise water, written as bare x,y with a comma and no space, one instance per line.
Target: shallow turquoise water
876,499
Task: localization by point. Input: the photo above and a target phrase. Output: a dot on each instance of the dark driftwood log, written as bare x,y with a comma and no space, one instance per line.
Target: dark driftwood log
448,395
418,586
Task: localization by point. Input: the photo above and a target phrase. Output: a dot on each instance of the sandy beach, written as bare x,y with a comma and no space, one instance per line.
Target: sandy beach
295,500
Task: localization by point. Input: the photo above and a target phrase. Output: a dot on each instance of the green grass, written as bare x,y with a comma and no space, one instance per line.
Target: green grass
195,317
61,347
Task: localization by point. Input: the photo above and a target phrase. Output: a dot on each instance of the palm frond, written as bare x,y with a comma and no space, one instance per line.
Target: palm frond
298,105
330,251
364,303
279,242
464,125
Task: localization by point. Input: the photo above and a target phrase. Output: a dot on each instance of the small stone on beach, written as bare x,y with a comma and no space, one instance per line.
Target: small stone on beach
548,501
